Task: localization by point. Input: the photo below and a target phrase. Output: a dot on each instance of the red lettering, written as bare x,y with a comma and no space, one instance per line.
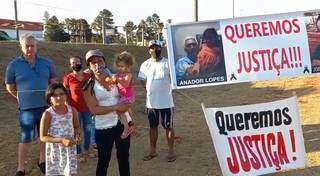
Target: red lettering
256,68
264,28
246,152
295,23
283,157
261,52
269,58
260,29
273,154
232,162
248,30
256,29
254,160
274,52
256,139
239,32
264,149
286,26
244,159
229,35
275,29
239,70
284,59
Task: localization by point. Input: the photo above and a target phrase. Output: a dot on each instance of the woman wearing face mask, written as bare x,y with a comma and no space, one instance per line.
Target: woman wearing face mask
73,82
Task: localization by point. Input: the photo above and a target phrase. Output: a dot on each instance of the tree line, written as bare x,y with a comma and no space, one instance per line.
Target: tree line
80,31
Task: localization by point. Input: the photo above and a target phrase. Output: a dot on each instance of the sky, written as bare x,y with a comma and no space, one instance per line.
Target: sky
135,10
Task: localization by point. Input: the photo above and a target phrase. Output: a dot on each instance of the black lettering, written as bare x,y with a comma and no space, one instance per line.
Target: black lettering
247,118
277,117
255,120
287,119
239,121
220,122
265,118
230,122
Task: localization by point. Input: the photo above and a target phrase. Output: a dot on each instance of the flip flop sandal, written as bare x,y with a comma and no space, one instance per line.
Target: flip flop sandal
42,167
149,157
171,158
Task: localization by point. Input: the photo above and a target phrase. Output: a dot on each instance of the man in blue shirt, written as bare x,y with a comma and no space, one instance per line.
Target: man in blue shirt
27,77
186,65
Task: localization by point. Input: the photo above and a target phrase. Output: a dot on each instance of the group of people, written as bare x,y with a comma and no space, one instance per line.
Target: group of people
204,57
56,112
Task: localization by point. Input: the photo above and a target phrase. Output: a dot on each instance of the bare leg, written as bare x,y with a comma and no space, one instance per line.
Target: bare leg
23,151
153,140
130,112
170,139
124,121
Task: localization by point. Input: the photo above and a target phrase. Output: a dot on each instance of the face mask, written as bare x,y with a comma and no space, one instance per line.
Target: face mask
158,53
192,53
77,67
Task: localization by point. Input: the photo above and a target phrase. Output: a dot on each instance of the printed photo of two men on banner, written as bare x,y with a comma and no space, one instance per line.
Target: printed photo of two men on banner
244,49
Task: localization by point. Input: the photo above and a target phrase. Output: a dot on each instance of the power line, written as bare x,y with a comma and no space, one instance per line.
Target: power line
52,7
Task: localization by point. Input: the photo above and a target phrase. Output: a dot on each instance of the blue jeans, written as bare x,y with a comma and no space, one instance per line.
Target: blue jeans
93,140
85,119
29,120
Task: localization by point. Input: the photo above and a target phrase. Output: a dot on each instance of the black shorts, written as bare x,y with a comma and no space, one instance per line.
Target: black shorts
166,117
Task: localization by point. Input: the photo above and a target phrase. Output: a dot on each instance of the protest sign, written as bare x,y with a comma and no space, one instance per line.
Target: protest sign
257,139
244,49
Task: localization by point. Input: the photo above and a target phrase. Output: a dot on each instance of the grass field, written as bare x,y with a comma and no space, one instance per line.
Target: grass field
195,153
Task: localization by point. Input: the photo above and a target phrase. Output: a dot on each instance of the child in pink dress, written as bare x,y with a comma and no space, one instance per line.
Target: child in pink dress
124,77
124,81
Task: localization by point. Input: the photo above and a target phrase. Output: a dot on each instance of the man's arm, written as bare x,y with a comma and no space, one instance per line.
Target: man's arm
142,77
12,89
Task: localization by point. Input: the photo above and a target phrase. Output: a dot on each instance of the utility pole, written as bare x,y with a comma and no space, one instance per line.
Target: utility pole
195,10
103,31
126,38
232,8
16,18
82,32
142,38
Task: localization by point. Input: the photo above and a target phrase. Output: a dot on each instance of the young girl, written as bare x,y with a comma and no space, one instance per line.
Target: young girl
59,129
124,63
124,81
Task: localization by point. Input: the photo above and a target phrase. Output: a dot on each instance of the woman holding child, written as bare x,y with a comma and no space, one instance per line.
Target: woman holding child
102,100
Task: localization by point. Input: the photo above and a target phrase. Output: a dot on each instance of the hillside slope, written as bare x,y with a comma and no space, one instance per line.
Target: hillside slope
195,152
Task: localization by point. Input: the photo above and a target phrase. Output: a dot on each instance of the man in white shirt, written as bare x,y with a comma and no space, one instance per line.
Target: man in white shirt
154,75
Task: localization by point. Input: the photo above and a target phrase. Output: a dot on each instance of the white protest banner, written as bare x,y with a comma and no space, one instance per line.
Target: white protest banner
244,49
257,139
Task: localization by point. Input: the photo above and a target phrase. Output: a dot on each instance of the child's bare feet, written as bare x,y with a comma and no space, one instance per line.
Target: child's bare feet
127,131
